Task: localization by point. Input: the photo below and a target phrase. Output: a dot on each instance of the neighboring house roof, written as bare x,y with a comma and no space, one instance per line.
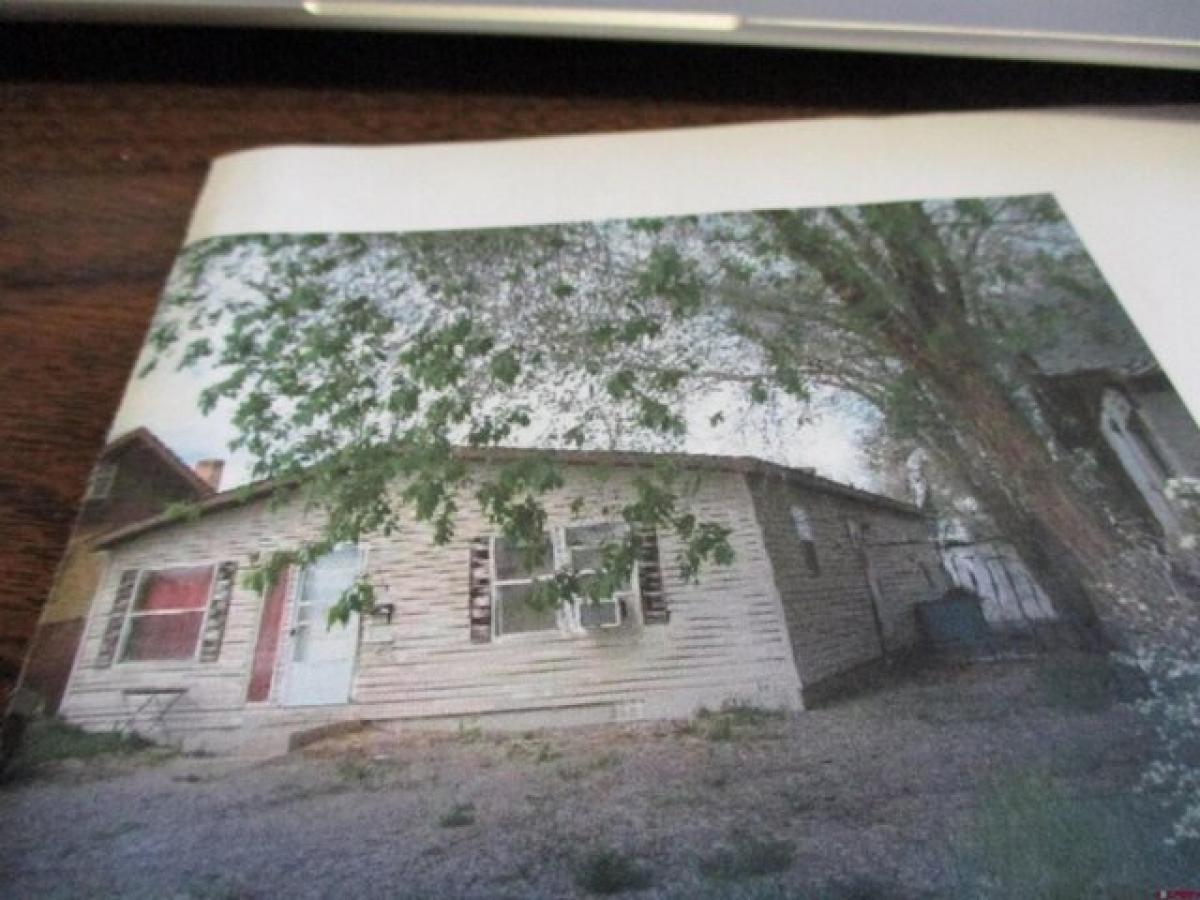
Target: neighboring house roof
1093,334
170,461
747,465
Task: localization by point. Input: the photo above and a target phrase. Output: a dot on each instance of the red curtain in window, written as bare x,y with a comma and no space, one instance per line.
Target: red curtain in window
175,589
166,619
164,637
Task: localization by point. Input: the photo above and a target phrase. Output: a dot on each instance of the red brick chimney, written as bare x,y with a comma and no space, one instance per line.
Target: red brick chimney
210,471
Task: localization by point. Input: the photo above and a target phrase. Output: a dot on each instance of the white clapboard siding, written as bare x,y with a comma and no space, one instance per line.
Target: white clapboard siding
726,639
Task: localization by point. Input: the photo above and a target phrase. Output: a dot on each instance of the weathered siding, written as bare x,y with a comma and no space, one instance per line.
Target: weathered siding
217,689
726,638
829,614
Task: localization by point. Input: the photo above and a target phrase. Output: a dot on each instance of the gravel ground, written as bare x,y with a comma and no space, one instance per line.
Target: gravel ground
862,798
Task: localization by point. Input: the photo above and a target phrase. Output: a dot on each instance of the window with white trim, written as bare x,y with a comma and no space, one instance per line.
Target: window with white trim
575,548
583,553
167,614
516,575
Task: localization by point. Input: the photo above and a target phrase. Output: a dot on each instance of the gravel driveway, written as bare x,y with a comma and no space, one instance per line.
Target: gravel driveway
863,798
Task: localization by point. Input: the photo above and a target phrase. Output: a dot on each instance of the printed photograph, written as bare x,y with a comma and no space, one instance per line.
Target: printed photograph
847,552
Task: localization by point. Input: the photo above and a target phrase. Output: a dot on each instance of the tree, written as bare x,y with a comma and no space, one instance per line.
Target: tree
938,309
356,363
353,363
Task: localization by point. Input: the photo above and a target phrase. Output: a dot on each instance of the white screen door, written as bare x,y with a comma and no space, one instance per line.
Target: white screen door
321,658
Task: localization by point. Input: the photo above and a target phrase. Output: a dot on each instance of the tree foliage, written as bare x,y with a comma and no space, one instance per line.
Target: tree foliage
356,369
357,364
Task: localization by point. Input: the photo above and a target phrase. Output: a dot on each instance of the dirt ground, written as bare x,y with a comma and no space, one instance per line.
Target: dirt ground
867,797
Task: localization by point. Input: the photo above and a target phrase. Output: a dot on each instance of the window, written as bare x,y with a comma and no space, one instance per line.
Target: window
808,544
578,548
167,614
516,578
584,554
100,482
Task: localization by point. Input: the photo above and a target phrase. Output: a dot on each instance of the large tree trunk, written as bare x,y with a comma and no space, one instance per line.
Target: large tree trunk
896,271
1060,531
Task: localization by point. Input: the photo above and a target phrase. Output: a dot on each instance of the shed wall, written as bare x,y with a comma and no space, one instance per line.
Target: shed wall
829,614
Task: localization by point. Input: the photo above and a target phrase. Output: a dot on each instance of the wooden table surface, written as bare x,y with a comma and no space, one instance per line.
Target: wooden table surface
105,134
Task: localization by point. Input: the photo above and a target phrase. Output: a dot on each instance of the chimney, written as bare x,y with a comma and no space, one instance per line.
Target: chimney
210,471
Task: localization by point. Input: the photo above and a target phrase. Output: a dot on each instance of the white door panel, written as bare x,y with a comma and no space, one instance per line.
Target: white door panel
321,657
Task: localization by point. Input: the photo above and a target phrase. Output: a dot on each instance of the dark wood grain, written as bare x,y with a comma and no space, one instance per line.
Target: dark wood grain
105,134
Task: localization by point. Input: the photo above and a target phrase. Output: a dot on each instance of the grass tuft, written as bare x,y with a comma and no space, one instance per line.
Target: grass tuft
608,871
363,773
469,734
459,816
1077,681
538,751
747,856
733,721
49,741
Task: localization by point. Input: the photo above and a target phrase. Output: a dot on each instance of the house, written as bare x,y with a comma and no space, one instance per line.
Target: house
136,476
1133,418
824,581
1101,391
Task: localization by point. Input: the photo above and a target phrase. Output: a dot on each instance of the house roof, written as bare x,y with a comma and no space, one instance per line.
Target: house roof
148,440
746,465
1093,334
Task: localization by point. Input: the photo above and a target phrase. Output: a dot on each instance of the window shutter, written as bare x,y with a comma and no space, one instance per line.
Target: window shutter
480,590
116,619
650,584
218,612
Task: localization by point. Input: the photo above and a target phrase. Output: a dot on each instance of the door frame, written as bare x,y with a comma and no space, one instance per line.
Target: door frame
355,622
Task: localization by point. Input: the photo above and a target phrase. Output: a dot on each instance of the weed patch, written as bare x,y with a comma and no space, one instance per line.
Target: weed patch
747,856
609,871
1079,682
1034,839
48,742
51,740
733,721
469,735
538,751
459,816
577,771
365,773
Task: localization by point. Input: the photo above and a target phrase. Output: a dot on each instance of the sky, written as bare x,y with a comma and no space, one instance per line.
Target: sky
825,433
167,402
